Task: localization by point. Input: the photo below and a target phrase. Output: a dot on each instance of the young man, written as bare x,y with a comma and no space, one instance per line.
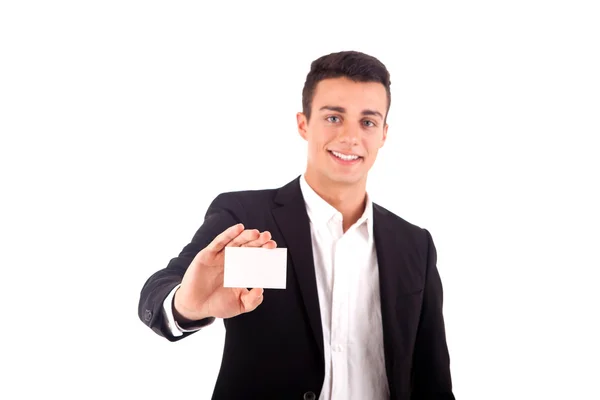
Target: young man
361,315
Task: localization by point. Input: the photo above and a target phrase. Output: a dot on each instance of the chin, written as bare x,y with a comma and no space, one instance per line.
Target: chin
345,179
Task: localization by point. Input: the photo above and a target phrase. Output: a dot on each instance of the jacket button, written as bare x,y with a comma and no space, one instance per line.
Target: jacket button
147,315
309,396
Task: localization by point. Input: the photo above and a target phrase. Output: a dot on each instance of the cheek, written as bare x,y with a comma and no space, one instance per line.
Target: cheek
376,140
322,136
315,144
372,145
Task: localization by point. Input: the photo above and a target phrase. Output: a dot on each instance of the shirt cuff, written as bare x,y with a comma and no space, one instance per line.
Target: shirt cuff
175,329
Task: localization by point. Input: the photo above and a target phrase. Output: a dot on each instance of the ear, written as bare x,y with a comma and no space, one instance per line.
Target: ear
302,125
385,129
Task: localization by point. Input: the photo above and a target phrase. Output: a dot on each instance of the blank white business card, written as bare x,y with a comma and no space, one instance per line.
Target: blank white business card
254,267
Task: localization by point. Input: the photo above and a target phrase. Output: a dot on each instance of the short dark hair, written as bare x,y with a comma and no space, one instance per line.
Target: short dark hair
354,65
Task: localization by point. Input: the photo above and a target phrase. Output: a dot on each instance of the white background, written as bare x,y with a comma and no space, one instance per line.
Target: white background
121,120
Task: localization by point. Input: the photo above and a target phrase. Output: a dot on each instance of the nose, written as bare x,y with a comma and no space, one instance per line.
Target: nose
349,135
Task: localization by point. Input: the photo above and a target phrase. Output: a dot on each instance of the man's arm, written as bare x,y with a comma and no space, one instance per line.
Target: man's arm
222,213
177,324
431,361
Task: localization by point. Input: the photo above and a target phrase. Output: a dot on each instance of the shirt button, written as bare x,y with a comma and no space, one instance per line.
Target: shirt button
309,396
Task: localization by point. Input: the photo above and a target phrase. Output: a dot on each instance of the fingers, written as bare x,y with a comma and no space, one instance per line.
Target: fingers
236,236
250,238
225,238
262,239
271,244
244,237
251,299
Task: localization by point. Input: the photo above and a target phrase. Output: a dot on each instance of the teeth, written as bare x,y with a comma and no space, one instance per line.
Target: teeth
344,157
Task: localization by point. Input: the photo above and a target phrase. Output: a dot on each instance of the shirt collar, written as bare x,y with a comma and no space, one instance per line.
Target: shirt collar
320,212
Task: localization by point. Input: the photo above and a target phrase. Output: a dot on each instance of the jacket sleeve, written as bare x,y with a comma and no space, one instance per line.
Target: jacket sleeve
224,211
431,378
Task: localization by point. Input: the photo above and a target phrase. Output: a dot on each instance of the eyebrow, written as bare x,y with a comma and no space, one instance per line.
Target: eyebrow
342,110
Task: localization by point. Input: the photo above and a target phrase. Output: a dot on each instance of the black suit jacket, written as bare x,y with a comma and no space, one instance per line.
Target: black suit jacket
276,351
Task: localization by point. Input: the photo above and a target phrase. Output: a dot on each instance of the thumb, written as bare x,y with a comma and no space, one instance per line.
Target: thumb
251,299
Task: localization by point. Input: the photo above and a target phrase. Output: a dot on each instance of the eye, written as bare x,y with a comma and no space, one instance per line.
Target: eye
333,117
369,123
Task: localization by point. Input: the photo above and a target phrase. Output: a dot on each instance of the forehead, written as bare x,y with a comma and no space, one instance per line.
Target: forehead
346,93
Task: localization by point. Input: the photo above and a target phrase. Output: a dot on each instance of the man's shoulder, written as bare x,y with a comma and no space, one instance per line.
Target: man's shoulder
248,194
258,196
394,219
252,206
401,231
255,197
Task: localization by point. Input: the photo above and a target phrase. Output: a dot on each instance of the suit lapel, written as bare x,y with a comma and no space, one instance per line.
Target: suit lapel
398,275
395,259
293,222
384,247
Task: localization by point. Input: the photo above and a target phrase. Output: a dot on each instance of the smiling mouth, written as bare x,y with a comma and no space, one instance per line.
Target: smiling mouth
345,157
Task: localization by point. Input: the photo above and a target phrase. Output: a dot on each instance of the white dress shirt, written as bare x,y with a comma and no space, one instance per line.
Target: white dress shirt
347,277
348,285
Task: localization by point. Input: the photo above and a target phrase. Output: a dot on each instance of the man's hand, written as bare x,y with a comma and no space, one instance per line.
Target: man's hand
202,294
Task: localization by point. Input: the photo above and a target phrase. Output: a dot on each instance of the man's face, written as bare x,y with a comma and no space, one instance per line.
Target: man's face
345,131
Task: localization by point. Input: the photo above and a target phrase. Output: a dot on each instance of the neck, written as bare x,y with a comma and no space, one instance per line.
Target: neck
348,199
